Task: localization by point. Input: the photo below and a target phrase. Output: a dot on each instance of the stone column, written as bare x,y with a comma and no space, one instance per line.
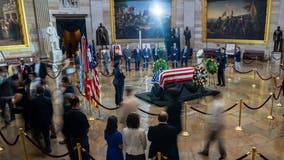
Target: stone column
42,20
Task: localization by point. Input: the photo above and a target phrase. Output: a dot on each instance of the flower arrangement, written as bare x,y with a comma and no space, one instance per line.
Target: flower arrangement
159,65
200,76
211,66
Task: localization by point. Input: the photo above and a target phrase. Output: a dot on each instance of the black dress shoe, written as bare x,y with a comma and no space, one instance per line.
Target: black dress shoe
203,153
218,84
222,157
223,85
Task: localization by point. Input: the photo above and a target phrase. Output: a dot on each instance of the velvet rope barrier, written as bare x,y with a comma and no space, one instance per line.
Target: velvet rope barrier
108,108
105,74
9,143
244,156
277,97
230,108
54,77
152,114
41,149
250,62
200,111
90,156
262,156
242,72
265,79
256,108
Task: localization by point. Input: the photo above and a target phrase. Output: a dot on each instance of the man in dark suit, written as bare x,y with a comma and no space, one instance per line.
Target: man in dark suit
174,52
41,117
146,56
127,57
23,69
155,53
137,56
39,68
163,138
221,62
185,53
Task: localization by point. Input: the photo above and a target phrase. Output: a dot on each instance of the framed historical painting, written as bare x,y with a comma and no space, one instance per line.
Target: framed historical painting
151,18
236,21
13,27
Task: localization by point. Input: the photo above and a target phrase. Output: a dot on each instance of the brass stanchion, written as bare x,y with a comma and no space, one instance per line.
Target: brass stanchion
254,77
185,132
159,155
239,127
78,146
230,66
1,148
253,153
22,134
270,116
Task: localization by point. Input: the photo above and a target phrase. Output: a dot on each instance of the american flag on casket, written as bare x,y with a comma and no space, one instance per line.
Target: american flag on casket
174,75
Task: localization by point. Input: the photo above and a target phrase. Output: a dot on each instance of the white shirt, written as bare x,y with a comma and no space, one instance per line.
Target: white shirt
37,66
134,141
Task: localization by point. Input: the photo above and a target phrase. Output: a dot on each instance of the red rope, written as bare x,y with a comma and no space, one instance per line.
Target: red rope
241,72
262,77
255,108
9,143
46,153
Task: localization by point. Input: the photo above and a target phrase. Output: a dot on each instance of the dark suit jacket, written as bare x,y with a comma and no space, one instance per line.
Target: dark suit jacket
137,55
25,72
164,140
42,70
41,112
186,54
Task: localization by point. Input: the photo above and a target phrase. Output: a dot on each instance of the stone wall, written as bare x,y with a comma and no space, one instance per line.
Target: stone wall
188,13
32,33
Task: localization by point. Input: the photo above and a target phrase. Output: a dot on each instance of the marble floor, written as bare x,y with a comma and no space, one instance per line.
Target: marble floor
258,131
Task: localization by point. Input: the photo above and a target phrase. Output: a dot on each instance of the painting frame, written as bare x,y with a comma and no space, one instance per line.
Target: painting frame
113,28
225,40
22,27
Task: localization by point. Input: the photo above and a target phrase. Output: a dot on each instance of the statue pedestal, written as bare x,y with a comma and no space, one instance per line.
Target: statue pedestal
276,58
56,56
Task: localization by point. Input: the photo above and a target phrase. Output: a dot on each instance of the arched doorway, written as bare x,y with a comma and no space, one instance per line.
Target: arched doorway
70,31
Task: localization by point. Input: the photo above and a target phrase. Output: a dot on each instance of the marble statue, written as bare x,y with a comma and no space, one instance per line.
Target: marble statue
52,37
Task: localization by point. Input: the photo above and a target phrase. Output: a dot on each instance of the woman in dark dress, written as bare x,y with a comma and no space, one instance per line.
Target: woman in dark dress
118,83
114,140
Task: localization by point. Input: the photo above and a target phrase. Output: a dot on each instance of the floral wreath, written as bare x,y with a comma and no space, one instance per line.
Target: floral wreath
160,64
200,76
211,66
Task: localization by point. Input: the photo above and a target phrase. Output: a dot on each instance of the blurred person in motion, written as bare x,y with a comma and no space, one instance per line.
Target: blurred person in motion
114,140
215,127
128,105
174,108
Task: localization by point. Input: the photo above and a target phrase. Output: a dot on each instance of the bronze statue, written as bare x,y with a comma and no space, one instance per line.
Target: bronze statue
187,36
102,36
277,38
